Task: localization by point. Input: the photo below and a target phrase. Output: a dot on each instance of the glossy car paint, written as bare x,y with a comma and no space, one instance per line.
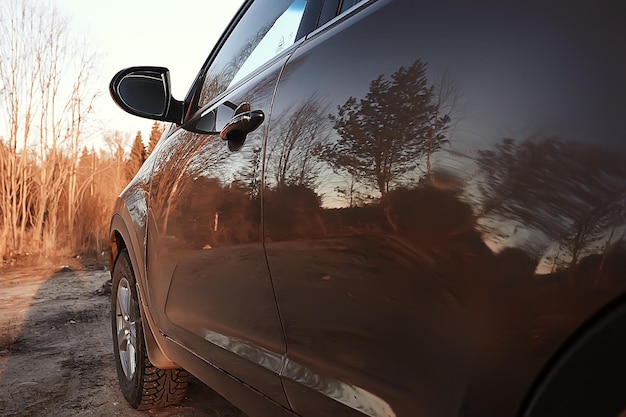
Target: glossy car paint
430,221
417,261
211,286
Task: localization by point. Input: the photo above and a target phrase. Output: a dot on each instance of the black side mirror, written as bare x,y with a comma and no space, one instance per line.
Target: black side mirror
145,92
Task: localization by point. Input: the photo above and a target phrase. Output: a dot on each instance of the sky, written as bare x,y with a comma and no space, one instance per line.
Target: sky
177,35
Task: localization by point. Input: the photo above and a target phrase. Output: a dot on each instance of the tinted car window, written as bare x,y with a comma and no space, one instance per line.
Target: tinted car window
267,28
346,4
333,8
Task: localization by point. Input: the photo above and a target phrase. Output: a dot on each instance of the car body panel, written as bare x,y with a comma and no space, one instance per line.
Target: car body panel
210,284
427,222
411,241
129,222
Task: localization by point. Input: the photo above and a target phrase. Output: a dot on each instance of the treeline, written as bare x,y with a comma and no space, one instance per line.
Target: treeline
62,203
55,194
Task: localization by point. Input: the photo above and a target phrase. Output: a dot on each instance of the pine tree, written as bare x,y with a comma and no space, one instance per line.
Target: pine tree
155,135
137,157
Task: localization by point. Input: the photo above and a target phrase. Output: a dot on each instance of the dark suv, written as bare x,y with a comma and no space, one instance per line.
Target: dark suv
383,208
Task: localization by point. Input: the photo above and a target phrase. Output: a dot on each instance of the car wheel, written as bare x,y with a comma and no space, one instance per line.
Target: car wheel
144,386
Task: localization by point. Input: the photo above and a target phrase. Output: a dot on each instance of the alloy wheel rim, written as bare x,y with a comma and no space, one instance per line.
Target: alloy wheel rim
126,329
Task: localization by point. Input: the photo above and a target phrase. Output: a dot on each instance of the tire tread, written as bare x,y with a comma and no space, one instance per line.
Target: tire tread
152,387
162,387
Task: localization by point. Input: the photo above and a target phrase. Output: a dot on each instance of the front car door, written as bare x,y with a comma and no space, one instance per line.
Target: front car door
208,282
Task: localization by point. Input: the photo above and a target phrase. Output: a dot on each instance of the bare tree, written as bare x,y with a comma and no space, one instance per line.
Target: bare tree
18,105
45,95
291,150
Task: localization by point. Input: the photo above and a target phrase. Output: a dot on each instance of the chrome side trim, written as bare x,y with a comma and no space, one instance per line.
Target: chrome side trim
350,395
347,394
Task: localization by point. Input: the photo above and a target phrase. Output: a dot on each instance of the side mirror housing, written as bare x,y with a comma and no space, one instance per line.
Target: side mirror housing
146,92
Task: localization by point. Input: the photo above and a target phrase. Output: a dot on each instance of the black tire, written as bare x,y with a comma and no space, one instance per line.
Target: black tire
144,386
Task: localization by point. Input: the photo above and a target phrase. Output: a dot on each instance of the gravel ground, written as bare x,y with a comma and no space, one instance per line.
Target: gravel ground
55,349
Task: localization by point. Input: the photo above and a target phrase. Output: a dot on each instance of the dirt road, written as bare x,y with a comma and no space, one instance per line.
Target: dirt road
55,350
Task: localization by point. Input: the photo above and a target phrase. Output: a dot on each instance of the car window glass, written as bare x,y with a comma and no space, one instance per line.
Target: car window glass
281,35
266,28
346,4
333,8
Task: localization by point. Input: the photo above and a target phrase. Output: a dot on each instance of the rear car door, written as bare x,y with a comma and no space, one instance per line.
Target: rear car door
444,206
208,280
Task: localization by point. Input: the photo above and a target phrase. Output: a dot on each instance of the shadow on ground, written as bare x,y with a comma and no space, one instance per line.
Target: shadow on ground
56,354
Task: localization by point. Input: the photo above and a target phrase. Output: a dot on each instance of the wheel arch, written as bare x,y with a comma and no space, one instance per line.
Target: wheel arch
119,240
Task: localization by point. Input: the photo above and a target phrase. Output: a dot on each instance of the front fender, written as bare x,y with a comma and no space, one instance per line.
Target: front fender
130,238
